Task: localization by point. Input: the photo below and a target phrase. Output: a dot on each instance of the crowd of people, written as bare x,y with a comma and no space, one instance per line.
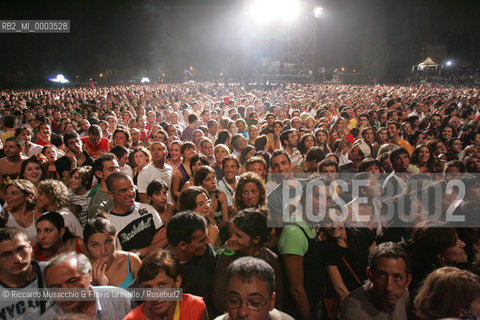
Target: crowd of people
185,186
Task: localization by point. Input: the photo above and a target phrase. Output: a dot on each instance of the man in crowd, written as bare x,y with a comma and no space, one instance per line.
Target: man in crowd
187,134
396,181
31,149
74,155
206,147
157,169
289,141
8,128
187,236
258,165
11,164
238,143
71,270
95,144
44,133
393,130
139,227
250,291
386,295
104,166
17,270
270,120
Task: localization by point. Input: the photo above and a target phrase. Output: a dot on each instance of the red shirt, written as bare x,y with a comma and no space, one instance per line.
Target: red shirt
95,151
191,308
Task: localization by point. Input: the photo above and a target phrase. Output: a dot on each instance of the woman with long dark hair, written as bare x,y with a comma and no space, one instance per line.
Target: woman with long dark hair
54,237
111,266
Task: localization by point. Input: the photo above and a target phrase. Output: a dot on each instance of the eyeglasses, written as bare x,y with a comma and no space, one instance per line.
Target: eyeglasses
126,190
22,250
254,305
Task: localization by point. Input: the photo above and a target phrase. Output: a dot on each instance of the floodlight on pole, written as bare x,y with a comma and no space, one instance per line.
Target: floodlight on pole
266,11
449,63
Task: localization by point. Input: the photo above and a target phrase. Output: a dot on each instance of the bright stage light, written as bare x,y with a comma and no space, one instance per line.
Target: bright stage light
317,12
60,79
449,63
265,11
145,80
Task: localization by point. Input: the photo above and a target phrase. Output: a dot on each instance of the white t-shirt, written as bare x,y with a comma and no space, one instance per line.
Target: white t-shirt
27,309
137,228
72,222
150,173
127,170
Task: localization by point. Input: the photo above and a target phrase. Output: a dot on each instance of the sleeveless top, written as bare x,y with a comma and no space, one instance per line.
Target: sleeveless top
40,257
185,176
129,279
31,230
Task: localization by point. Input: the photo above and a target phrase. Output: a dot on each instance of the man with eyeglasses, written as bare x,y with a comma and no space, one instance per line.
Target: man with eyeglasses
17,270
250,291
139,226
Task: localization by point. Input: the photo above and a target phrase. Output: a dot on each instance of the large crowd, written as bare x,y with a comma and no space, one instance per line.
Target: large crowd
184,186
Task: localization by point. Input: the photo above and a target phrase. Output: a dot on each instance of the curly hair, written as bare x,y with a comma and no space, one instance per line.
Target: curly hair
242,181
58,193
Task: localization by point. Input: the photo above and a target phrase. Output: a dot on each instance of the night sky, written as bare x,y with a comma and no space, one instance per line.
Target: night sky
129,39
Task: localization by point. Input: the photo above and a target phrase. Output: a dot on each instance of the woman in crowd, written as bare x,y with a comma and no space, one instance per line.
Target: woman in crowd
437,147
157,192
252,134
141,157
174,158
368,135
309,123
306,142
54,237
80,183
111,266
321,136
249,234
449,292
381,137
274,138
346,255
34,169
434,245
19,207
339,130
205,177
50,154
250,192
247,153
53,195
161,270
197,200
224,137
220,152
447,133
183,172
422,158
454,148
197,161
228,184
